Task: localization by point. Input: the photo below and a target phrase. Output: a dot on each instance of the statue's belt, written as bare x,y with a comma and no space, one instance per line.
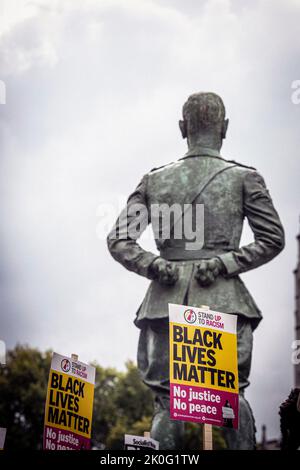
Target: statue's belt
175,253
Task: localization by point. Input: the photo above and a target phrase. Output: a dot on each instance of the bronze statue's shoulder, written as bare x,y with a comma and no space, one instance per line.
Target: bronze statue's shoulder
164,167
173,165
242,165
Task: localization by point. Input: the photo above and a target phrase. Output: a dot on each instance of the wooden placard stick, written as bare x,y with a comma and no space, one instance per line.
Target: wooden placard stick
207,437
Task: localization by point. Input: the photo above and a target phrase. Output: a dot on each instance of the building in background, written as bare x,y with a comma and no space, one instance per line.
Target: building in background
297,311
267,444
289,411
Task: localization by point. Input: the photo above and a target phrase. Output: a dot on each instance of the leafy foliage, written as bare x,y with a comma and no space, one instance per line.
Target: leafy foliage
23,384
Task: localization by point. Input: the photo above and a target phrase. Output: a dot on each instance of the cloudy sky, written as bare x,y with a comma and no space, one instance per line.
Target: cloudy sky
94,93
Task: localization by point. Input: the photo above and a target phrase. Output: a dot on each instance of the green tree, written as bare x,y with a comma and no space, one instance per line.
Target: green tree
133,403
104,411
23,384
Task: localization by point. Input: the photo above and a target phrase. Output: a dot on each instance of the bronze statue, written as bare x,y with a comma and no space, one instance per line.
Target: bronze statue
204,274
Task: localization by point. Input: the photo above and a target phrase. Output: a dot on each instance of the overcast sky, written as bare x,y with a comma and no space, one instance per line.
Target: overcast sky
94,94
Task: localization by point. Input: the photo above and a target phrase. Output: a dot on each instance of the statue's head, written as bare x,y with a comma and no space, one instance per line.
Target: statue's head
204,115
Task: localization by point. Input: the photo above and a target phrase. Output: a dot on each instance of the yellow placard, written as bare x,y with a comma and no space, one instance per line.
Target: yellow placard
202,357
69,404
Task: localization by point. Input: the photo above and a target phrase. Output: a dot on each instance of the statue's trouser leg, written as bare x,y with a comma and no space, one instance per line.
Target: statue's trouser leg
167,432
244,437
153,363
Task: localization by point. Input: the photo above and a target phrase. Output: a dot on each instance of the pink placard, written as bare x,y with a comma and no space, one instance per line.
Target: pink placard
204,405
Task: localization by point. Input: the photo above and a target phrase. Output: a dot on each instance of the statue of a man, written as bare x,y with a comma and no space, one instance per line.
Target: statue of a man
208,273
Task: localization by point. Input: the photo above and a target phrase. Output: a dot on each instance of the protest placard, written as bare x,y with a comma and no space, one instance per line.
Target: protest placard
203,366
139,442
69,404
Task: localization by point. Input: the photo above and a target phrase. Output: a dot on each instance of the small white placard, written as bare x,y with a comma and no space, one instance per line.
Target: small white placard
139,442
227,413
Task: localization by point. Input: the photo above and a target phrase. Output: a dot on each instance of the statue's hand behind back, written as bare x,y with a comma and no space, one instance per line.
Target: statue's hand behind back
163,271
208,271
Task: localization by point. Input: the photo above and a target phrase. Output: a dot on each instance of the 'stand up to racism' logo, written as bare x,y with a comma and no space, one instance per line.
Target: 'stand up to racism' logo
65,365
190,316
